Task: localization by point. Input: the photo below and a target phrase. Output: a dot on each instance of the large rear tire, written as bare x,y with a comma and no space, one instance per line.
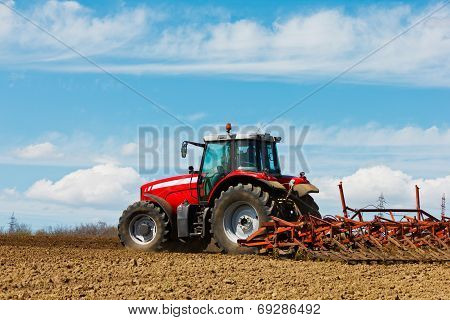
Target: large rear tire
309,207
143,226
237,213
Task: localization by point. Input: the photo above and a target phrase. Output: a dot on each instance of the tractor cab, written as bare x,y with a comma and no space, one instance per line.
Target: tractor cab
224,154
234,153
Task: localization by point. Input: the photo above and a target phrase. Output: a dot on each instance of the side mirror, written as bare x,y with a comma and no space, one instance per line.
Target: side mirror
191,169
184,149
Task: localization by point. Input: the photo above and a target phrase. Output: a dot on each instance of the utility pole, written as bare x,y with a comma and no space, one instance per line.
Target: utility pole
12,223
381,204
443,207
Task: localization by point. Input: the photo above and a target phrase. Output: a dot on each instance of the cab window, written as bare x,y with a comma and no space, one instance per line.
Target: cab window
216,164
248,155
271,160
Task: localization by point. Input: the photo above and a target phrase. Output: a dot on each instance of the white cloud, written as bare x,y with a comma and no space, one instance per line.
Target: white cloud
196,116
9,193
129,149
105,185
79,149
71,22
374,135
363,187
106,159
300,46
44,150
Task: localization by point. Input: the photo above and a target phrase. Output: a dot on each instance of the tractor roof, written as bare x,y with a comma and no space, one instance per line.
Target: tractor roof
241,136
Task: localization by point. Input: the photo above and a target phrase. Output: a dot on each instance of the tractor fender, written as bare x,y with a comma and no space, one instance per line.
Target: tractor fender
273,184
163,204
305,188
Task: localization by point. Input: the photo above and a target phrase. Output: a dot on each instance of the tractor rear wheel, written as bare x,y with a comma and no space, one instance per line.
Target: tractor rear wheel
237,213
309,207
143,226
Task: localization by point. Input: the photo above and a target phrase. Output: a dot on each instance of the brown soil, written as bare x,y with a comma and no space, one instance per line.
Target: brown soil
80,268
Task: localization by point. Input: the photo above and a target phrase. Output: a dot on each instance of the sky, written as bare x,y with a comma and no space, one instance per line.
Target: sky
70,117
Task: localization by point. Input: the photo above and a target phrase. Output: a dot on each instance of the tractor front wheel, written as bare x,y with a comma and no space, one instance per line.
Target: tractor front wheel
239,212
143,226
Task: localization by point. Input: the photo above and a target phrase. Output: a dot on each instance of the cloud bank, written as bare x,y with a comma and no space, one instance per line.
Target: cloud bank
372,135
302,45
40,151
103,191
105,185
72,23
363,187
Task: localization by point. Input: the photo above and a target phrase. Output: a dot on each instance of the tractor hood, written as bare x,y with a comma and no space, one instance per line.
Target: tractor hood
180,181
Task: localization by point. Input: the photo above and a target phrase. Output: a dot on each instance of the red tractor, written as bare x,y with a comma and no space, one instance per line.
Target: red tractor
238,187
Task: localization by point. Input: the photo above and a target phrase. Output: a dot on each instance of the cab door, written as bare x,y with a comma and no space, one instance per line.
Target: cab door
216,164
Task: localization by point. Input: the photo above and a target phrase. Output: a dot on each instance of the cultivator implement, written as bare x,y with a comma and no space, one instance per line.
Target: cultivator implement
350,238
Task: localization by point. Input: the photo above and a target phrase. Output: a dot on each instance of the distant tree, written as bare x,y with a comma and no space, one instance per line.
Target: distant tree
12,224
23,229
99,229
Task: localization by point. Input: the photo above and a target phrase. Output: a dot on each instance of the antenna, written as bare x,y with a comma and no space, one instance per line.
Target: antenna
381,204
443,207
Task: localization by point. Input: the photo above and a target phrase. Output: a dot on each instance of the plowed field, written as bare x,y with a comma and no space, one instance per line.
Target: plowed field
80,268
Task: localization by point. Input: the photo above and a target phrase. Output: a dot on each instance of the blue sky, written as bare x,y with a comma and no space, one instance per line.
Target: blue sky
65,124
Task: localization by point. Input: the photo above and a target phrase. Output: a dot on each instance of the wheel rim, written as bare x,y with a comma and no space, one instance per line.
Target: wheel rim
240,221
142,229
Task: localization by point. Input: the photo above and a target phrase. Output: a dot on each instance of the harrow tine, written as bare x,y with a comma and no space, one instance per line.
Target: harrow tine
442,243
428,253
440,253
413,246
373,254
405,251
303,253
353,254
376,242
339,256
